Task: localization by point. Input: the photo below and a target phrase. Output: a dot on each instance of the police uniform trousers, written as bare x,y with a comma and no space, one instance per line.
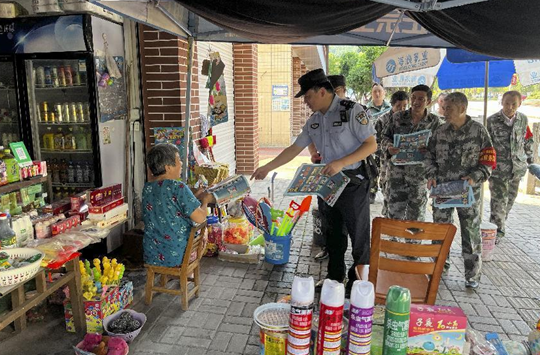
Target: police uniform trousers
504,191
471,240
349,215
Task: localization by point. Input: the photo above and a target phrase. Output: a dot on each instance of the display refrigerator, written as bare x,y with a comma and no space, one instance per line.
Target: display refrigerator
65,97
60,98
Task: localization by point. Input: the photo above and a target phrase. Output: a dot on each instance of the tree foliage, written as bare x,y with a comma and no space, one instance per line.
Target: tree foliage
355,64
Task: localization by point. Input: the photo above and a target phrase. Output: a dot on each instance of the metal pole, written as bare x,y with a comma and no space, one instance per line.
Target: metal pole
486,88
185,166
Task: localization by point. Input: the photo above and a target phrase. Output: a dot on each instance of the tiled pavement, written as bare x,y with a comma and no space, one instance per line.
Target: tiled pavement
220,320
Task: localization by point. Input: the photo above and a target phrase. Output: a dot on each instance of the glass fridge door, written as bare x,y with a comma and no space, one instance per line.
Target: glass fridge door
9,117
59,100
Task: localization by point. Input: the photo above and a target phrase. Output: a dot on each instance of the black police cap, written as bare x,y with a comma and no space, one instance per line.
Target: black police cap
310,79
336,80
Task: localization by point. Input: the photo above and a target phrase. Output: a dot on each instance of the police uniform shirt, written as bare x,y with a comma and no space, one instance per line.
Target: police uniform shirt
336,136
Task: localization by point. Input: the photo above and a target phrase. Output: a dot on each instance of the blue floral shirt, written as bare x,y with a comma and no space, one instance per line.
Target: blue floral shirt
167,205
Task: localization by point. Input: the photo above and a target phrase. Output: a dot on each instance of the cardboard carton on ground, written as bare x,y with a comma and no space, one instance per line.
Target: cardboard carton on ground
436,330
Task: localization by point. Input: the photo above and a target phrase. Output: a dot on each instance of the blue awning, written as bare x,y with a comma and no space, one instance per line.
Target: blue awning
472,75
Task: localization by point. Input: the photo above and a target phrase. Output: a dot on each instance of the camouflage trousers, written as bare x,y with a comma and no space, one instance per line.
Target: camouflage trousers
383,184
503,194
406,196
471,240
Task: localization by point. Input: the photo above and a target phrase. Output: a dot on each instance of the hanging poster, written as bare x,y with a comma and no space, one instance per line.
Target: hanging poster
217,98
174,135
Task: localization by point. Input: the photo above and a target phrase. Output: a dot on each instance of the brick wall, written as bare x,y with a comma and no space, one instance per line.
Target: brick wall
164,82
246,108
300,111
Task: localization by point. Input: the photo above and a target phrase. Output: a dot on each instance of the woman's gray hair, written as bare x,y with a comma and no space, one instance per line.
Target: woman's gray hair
160,156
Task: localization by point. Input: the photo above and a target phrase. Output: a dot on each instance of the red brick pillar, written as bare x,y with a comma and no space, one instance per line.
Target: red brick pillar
246,110
164,74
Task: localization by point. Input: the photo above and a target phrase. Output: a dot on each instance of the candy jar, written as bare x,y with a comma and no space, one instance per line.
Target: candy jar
238,231
215,236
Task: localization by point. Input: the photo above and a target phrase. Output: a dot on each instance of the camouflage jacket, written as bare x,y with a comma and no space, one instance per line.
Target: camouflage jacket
401,123
376,112
513,144
454,154
380,126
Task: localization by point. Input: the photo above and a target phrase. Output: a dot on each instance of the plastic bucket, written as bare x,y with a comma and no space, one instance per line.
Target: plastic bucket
273,321
277,249
489,236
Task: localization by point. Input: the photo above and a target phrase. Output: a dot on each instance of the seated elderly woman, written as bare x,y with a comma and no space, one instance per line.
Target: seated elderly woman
170,208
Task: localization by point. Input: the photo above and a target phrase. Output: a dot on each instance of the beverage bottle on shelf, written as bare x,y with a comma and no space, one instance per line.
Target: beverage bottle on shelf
86,172
66,112
54,77
58,113
79,173
74,112
89,139
76,76
20,231
48,76
80,139
48,140
3,173
69,140
62,76
12,166
8,238
59,142
71,173
55,171
69,75
40,77
63,171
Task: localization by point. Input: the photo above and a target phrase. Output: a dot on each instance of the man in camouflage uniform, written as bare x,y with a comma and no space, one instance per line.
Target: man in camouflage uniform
513,143
377,107
399,102
461,149
406,184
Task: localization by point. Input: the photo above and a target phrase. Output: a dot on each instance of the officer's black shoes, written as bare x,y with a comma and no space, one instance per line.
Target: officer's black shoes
323,254
471,284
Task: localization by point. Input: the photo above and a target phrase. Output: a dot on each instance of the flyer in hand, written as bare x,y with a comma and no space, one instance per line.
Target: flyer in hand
309,180
452,194
409,145
230,189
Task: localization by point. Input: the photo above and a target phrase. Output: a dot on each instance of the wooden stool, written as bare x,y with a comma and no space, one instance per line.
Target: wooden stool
190,267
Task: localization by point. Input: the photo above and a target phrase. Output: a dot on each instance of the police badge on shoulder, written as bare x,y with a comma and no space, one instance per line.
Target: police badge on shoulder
362,117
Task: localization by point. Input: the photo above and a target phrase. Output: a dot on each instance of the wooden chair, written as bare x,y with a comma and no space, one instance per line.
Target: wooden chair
189,267
420,277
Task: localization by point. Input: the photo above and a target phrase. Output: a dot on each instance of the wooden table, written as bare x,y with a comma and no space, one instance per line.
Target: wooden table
20,305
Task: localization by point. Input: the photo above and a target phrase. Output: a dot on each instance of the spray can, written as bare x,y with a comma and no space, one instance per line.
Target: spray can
302,296
396,321
361,318
330,318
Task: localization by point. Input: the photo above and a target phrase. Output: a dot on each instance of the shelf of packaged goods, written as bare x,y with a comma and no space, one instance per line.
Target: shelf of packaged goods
54,124
72,184
14,186
66,151
9,123
62,87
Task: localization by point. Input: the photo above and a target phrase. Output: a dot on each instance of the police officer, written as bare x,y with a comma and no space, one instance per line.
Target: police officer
339,84
513,142
406,184
377,107
399,102
342,133
461,149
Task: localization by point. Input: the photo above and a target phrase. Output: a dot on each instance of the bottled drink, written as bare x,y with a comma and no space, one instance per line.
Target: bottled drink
40,77
76,77
69,75
74,113
48,140
87,172
62,76
71,173
55,171
54,77
396,321
69,140
81,112
8,239
66,114
12,166
79,173
48,76
59,114
3,173
63,172
59,140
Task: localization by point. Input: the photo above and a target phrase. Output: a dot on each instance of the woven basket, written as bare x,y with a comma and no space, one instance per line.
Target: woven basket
15,276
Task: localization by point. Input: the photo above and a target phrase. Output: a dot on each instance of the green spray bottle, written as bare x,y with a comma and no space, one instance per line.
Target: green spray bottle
396,321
